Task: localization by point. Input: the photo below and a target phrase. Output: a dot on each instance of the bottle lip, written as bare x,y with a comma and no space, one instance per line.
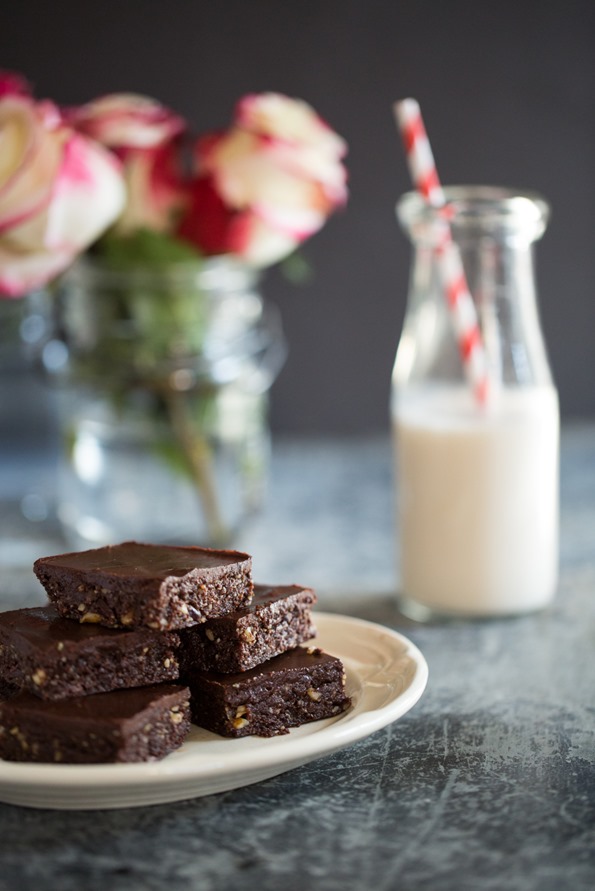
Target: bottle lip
480,208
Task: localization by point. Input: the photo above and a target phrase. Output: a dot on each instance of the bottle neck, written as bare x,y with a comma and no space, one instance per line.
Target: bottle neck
495,238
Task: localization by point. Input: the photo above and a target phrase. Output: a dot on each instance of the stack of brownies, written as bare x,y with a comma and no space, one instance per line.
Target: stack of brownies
141,639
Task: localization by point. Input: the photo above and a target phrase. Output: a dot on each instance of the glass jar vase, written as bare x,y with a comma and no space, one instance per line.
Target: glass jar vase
163,378
27,442
477,484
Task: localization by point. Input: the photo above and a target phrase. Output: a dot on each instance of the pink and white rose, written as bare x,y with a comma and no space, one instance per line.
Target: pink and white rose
145,136
126,121
59,190
266,184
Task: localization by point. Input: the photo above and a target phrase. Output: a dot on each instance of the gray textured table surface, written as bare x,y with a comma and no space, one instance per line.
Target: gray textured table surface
488,783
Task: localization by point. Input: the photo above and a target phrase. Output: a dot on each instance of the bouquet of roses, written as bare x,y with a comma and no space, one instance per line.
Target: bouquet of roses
124,174
124,182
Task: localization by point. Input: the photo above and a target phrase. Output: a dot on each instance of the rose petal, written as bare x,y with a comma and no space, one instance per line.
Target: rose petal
58,193
292,120
28,161
259,244
207,222
22,272
297,224
217,229
13,84
126,120
244,176
156,194
308,162
88,195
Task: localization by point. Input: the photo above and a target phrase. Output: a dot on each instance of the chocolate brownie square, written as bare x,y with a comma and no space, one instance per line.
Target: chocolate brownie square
56,658
144,724
278,619
293,688
157,586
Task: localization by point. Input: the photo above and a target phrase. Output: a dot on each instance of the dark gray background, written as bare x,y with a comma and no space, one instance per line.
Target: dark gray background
508,93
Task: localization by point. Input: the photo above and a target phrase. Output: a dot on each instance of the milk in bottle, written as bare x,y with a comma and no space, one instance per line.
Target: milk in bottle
477,485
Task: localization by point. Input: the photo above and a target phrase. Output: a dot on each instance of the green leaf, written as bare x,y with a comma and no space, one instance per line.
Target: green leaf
145,247
296,269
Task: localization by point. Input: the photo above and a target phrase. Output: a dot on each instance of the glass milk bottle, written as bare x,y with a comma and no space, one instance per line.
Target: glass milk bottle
477,485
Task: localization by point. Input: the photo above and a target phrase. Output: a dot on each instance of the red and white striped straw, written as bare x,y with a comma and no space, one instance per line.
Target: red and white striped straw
425,178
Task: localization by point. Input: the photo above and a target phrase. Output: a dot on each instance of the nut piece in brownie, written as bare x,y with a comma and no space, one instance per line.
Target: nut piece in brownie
144,724
55,658
158,586
293,688
278,619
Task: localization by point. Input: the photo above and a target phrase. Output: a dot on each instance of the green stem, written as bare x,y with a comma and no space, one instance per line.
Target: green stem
198,455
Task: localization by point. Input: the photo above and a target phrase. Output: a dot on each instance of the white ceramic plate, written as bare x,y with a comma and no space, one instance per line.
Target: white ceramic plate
386,675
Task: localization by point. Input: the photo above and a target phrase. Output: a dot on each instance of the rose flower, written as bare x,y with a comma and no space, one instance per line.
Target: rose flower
267,183
146,138
58,190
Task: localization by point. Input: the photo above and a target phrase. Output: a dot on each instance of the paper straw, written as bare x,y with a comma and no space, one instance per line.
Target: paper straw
426,180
